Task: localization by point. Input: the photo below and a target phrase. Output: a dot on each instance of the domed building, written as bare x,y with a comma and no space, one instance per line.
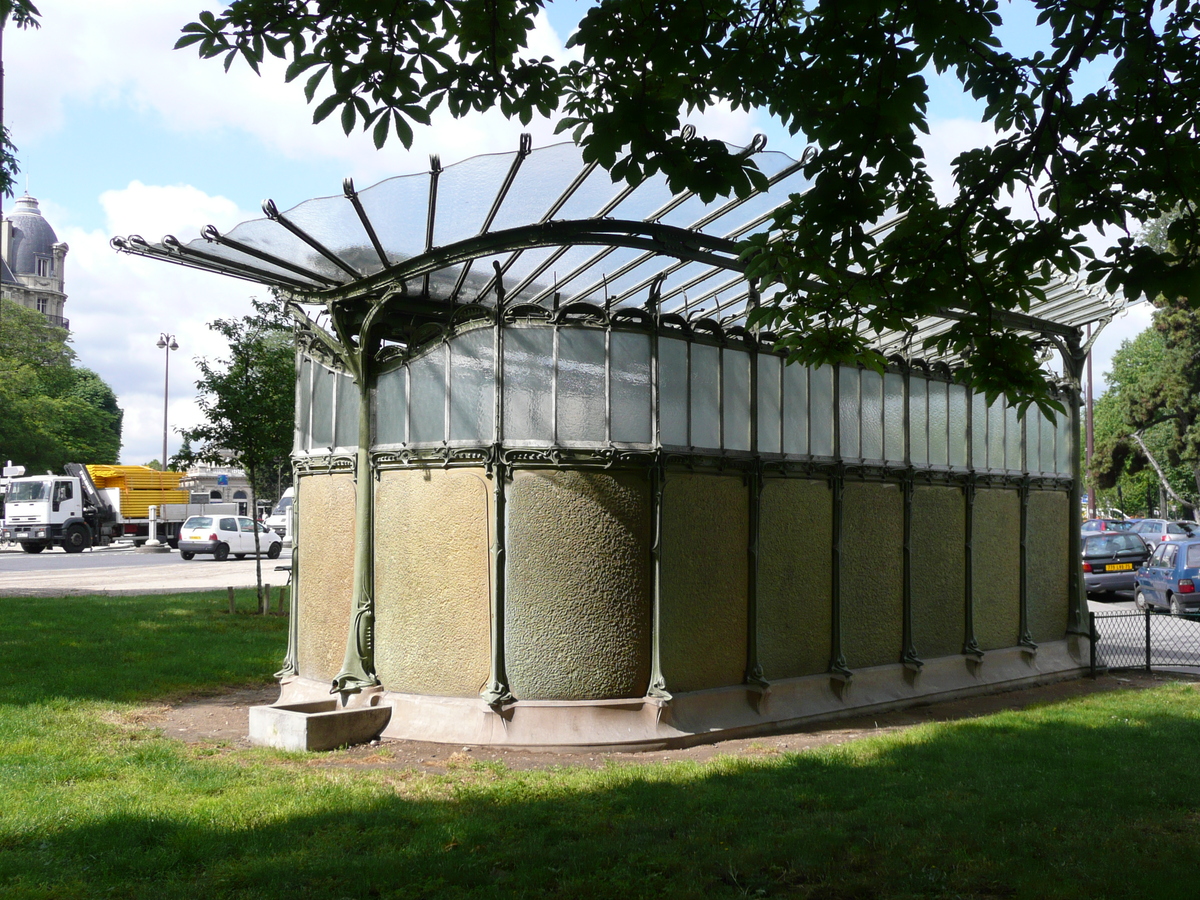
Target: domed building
32,261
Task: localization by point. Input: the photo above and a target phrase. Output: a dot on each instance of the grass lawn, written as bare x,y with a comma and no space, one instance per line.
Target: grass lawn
1098,797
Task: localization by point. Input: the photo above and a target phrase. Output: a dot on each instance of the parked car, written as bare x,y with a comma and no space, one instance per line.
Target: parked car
1105,525
223,535
1155,531
1111,561
1168,580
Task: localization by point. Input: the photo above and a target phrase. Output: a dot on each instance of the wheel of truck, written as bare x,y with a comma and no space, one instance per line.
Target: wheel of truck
187,554
239,556
33,548
273,553
75,539
222,552
140,543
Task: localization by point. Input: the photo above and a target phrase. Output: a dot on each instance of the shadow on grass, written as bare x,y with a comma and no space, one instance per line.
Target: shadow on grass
1057,802
134,648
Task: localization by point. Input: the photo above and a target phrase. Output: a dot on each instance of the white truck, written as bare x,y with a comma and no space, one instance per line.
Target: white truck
280,520
69,511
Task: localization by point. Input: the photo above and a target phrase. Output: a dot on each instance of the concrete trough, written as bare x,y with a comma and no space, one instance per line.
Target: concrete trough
319,725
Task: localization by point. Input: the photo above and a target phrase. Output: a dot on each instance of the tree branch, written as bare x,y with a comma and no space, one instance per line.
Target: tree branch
1137,436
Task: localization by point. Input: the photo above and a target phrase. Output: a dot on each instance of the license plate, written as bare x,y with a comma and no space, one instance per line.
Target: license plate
22,534
1119,567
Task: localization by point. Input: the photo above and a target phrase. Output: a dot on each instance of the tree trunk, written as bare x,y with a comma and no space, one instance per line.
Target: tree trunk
262,604
1137,436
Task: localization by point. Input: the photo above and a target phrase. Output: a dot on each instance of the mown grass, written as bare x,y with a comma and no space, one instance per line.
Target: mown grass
1092,798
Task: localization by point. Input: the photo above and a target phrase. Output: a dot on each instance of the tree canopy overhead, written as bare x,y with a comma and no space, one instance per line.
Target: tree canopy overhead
851,77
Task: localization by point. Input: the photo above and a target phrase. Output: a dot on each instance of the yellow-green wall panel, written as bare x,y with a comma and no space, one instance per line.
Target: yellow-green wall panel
939,559
872,577
325,541
794,577
703,599
578,600
432,581
996,568
1049,564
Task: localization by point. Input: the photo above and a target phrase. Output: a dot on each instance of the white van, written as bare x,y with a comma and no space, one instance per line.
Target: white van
280,520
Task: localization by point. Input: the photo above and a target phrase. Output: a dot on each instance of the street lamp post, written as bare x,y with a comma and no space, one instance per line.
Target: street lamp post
166,343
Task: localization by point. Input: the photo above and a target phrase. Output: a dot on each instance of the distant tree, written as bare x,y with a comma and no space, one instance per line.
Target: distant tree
852,78
1153,402
247,400
51,412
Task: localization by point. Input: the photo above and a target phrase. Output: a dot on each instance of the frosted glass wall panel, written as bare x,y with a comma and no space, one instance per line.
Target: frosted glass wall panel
795,409
821,411
630,388
918,420
938,424
872,415
472,386
978,432
959,414
770,399
672,390
322,407
529,384
428,397
705,383
1046,450
849,409
735,405
995,458
391,407
303,403
893,417
347,413
1013,459
581,383
1063,448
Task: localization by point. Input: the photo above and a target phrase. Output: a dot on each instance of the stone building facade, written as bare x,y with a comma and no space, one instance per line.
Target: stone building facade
32,262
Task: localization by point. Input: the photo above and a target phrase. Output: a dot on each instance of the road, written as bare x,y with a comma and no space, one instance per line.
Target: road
122,569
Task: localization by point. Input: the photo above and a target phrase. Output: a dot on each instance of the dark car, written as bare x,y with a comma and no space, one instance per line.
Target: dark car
1168,580
1106,525
1111,560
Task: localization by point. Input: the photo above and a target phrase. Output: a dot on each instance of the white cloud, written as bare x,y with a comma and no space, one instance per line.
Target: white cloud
119,305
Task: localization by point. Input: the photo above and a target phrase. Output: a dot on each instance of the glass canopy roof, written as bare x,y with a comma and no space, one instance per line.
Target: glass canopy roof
544,227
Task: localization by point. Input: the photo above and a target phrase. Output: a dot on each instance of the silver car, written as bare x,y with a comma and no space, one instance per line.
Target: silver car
1155,531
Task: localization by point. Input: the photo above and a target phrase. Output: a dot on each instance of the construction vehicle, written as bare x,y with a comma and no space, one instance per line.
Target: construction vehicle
93,506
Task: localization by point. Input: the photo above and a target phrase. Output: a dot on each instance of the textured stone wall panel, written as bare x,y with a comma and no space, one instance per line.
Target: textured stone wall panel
996,568
939,559
325,540
432,581
1049,563
703,602
872,574
578,602
794,581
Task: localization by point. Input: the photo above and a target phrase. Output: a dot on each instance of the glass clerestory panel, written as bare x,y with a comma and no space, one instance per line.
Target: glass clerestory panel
795,410
529,384
303,403
673,391
769,403
918,420
630,388
893,417
821,411
581,385
850,409
704,379
735,406
347,412
428,397
472,383
322,407
391,407
938,423
872,414
959,416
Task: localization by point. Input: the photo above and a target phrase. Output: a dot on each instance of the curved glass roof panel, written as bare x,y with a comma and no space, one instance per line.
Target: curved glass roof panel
550,223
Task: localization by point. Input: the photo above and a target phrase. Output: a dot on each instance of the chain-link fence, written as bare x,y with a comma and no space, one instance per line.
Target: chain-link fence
1143,640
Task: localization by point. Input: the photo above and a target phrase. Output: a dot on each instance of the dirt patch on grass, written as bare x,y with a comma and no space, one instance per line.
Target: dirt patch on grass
222,722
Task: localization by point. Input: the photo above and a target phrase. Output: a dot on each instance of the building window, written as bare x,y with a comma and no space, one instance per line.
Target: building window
43,305
45,267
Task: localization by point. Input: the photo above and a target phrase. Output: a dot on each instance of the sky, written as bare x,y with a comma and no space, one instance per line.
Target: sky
120,134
